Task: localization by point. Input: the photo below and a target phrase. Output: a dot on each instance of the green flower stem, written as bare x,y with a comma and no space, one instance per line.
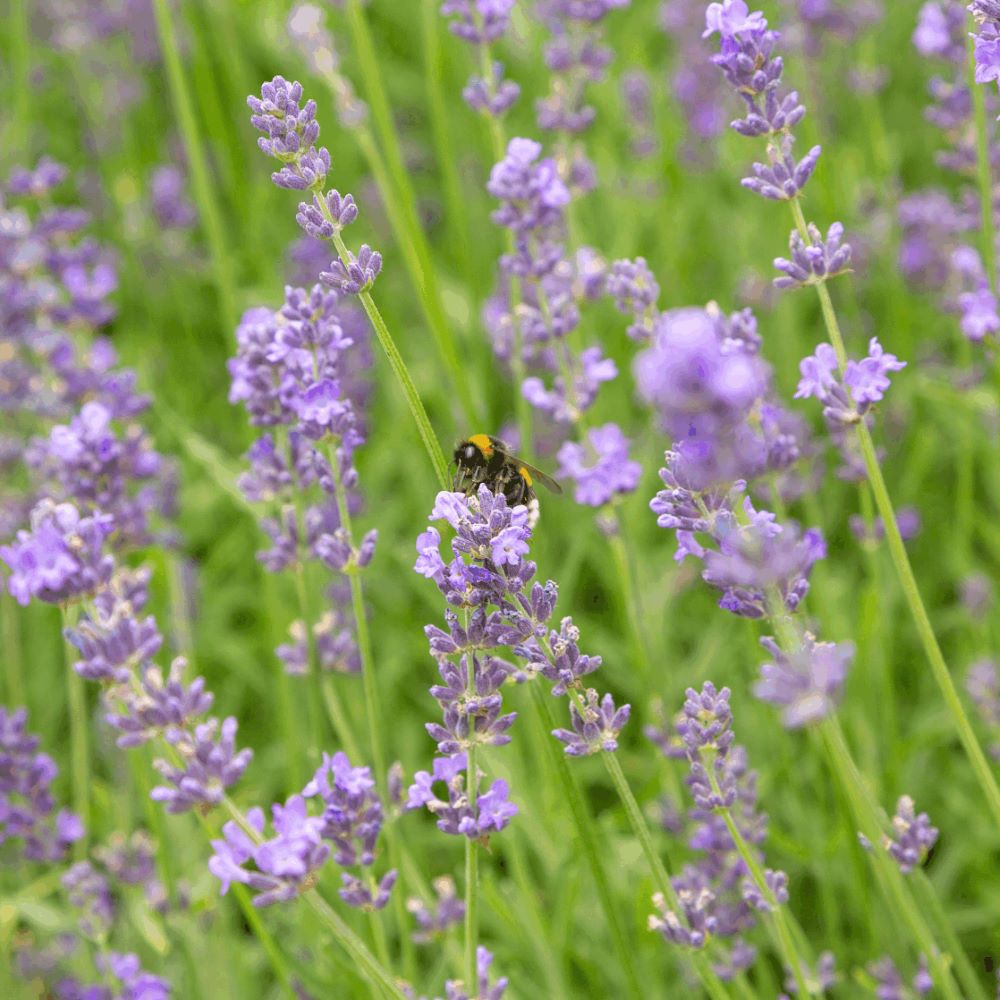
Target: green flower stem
777,923
928,901
625,568
907,580
341,723
498,143
413,401
987,230
371,968
409,233
79,740
911,591
201,182
295,760
588,841
373,710
376,973
881,694
713,986
891,879
317,695
10,629
471,844
864,805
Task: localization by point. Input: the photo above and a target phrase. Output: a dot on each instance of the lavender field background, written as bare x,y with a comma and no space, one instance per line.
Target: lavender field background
284,716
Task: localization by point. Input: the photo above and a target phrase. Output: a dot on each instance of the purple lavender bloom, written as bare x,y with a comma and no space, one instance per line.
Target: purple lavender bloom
601,469
284,866
982,683
135,983
433,919
210,765
494,810
637,99
61,558
89,464
847,398
111,638
167,194
357,275
816,262
456,989
491,95
596,726
704,386
633,287
889,983
88,890
151,706
980,318
478,21
913,836
576,57
694,927
807,683
530,188
825,976
749,65
986,14
352,816
327,215
27,806
481,23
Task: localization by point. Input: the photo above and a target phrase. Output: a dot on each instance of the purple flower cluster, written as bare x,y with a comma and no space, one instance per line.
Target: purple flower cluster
751,68
286,865
290,135
457,989
637,100
537,310
805,683
168,198
889,982
715,892
937,227
695,83
847,396
490,582
577,57
55,283
986,40
912,836
297,375
703,374
63,560
433,919
27,805
983,685
91,463
456,815
481,23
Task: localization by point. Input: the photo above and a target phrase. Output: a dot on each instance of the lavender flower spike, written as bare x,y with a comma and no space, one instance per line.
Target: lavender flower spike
913,835
816,261
806,684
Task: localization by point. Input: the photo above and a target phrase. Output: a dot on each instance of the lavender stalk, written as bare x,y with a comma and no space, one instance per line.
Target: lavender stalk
292,130
747,42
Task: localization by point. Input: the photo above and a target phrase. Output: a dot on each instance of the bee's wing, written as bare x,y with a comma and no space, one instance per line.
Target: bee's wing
536,474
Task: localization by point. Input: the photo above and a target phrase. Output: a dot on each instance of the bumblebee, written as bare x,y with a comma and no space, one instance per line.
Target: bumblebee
483,458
